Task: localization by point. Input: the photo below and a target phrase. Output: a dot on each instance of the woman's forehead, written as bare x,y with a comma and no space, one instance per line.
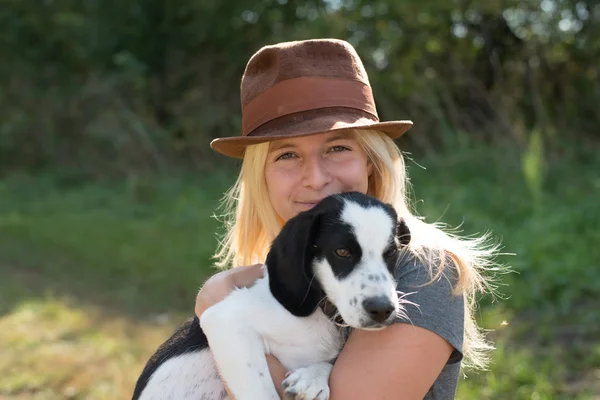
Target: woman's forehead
321,138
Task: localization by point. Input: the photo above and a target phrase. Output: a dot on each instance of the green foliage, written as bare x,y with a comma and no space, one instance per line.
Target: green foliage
149,84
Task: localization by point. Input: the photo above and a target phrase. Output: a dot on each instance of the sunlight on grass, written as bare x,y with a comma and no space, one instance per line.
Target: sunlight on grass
55,349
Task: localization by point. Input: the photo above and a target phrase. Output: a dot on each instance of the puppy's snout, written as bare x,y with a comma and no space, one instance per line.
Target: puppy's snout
379,308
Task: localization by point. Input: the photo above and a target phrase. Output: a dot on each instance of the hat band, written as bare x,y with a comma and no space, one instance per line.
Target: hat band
303,94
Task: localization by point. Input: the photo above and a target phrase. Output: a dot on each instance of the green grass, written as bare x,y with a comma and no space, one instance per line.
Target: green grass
144,242
96,275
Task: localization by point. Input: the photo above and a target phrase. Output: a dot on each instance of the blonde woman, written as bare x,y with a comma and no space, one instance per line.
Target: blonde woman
310,129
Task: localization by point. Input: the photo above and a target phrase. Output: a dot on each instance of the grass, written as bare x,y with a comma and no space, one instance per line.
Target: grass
144,242
96,275
54,347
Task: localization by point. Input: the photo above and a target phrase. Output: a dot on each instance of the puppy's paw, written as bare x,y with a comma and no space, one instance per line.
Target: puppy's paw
310,383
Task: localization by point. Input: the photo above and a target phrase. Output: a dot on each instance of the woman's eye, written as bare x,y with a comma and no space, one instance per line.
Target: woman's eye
336,149
285,156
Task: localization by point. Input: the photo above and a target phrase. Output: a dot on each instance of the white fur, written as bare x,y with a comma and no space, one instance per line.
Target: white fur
178,378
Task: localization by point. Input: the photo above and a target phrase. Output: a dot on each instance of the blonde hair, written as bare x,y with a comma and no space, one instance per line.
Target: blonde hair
252,224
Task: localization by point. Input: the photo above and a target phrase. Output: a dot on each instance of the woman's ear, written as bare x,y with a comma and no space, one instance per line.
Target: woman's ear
289,264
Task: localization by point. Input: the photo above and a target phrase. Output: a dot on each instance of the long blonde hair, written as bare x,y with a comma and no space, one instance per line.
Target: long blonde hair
252,223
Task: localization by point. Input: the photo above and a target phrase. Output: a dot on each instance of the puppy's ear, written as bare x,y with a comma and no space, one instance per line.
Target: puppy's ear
402,232
289,263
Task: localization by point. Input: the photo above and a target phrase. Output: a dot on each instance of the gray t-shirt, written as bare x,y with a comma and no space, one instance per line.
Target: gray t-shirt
439,310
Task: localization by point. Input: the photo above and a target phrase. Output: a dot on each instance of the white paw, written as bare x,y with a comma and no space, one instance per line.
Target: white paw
310,383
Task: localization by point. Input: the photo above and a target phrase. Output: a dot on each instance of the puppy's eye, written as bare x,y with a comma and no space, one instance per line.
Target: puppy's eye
344,253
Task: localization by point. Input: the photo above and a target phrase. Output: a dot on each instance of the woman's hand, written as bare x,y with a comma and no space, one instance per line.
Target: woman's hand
218,286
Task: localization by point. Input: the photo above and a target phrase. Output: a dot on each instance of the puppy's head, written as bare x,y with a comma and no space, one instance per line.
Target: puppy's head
345,248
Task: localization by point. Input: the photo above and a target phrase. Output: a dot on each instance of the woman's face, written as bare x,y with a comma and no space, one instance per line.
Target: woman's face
301,171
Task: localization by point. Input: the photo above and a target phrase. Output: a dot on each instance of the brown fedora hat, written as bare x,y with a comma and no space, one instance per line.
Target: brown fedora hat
305,88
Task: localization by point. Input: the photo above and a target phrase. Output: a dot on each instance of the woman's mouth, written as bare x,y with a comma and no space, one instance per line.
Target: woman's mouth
307,204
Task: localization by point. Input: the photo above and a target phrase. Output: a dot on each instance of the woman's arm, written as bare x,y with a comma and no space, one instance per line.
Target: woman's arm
399,362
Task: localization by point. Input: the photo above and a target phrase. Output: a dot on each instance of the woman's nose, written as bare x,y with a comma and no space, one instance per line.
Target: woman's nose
316,176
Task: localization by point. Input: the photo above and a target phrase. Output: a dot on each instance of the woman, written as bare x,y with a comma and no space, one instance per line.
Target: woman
310,129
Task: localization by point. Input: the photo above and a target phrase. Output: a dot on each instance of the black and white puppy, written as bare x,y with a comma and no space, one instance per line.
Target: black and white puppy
330,266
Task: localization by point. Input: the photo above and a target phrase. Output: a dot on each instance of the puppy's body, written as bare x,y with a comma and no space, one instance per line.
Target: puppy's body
335,261
191,373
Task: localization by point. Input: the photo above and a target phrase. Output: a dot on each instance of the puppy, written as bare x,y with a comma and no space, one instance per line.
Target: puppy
331,267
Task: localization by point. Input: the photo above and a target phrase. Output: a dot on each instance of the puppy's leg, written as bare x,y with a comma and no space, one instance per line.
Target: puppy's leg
309,383
238,352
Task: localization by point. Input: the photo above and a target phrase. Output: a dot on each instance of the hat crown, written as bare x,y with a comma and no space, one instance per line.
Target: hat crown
301,88
317,58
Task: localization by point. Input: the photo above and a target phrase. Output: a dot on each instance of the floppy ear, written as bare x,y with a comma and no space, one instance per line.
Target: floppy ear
289,264
402,232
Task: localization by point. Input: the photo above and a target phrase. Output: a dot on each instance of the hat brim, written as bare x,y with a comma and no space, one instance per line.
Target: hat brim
236,146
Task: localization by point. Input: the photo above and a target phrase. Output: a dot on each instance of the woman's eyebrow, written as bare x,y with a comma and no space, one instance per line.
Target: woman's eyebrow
279,146
338,137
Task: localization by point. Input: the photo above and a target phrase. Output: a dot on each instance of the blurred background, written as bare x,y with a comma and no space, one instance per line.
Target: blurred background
109,191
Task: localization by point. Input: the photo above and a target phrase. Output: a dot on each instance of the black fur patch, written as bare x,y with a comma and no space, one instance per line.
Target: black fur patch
187,338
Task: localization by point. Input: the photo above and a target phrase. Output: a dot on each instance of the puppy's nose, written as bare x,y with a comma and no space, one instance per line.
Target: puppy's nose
379,308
